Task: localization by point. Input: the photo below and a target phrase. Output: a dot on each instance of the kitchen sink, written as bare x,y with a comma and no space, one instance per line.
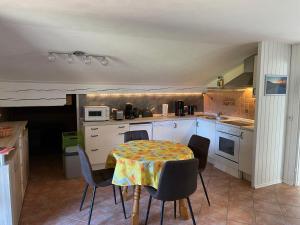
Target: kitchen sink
239,123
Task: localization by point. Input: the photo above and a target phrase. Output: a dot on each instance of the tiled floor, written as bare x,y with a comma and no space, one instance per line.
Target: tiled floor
52,200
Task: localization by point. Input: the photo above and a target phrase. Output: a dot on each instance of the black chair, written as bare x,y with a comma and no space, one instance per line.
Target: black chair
200,146
97,178
136,135
178,180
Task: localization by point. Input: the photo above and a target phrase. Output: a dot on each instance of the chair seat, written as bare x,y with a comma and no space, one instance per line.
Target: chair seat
103,177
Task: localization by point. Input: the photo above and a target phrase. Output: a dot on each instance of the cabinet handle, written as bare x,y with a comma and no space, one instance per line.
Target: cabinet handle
95,135
94,150
241,136
121,126
96,128
175,125
121,133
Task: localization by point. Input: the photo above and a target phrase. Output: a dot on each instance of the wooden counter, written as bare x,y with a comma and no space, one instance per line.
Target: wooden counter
14,171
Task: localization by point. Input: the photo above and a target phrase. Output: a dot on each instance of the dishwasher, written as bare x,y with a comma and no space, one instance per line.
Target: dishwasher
142,126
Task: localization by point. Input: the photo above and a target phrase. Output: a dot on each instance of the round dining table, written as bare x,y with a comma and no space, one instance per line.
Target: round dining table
139,163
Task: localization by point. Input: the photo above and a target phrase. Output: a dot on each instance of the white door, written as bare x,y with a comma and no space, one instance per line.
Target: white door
183,130
142,126
163,130
246,151
207,129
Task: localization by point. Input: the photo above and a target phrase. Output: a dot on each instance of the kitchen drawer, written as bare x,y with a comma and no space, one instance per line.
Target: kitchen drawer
92,131
97,155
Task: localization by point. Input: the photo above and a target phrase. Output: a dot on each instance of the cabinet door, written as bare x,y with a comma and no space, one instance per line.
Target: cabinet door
207,129
113,135
144,126
163,130
246,151
183,130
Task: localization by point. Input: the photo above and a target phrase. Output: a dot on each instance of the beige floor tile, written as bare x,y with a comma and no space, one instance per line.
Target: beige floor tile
291,211
272,208
242,215
292,221
268,219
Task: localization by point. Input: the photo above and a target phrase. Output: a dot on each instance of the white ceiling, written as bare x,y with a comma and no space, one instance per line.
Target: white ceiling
172,42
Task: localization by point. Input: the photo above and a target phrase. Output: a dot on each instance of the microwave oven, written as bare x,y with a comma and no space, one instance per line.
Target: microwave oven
96,113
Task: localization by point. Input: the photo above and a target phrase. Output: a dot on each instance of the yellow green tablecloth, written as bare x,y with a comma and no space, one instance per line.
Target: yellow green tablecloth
140,162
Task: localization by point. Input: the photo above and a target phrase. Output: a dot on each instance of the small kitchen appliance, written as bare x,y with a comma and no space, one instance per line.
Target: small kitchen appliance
191,109
96,113
129,114
228,139
179,108
165,109
118,114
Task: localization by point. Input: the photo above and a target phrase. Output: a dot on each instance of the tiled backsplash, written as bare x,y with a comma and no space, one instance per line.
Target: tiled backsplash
141,101
233,103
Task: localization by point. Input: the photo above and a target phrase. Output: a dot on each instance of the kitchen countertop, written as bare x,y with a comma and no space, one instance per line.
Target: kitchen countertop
165,118
17,126
10,141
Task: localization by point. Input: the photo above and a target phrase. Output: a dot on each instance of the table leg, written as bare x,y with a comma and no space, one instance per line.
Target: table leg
183,209
125,193
136,205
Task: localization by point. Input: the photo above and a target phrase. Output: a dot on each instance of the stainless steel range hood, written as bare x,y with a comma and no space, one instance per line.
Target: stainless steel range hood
243,80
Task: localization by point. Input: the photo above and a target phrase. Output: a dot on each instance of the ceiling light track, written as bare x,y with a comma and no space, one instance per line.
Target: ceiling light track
85,57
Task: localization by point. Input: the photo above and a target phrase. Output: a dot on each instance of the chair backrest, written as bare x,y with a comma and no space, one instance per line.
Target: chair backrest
178,180
200,146
136,135
86,168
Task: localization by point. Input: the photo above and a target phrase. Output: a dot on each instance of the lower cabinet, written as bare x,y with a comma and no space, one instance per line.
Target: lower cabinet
13,182
163,130
246,151
183,131
142,126
176,130
100,141
207,128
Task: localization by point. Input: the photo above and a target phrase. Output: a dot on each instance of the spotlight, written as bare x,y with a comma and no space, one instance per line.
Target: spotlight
51,57
70,58
103,60
87,60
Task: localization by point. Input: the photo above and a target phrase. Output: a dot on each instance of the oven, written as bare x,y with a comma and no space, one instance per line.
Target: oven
228,142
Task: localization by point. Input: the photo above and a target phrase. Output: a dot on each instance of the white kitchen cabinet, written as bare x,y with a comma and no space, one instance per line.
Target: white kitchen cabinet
207,128
142,126
100,140
163,130
246,151
183,130
175,130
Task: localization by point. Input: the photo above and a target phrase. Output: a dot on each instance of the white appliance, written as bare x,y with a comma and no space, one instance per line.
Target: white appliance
96,113
228,142
142,126
165,108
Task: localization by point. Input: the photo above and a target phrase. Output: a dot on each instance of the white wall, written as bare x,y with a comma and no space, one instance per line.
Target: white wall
292,131
273,58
